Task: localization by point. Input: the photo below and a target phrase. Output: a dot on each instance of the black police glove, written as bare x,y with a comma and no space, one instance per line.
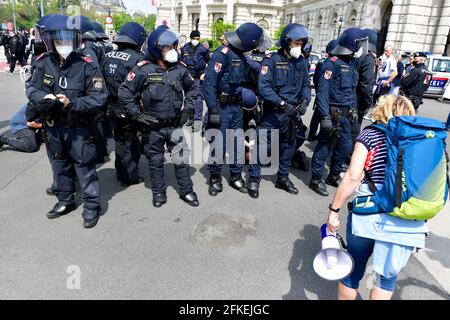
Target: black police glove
214,118
186,115
147,120
325,124
46,106
303,108
290,110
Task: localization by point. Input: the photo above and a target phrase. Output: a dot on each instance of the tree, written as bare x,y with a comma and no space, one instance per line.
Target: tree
218,28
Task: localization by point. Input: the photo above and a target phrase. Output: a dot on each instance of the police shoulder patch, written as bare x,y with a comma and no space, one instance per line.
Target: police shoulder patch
269,55
225,50
131,76
328,74
97,83
88,59
334,59
143,63
264,70
217,67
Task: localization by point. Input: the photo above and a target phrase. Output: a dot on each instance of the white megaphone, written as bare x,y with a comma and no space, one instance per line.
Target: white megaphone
332,263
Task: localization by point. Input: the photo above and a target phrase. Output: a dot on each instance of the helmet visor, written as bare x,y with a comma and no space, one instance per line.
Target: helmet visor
264,43
364,44
168,38
297,34
57,38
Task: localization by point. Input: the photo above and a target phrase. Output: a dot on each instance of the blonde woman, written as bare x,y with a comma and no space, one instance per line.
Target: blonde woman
363,242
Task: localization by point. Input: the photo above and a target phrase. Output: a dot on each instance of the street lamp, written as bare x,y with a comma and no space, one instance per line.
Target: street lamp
340,21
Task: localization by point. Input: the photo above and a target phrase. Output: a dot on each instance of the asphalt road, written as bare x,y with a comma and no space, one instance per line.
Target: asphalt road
231,247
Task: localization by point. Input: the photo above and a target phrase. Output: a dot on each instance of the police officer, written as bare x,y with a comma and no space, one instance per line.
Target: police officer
196,57
315,120
285,87
67,88
336,102
6,43
89,35
96,53
300,160
222,89
102,39
116,66
158,83
416,82
366,66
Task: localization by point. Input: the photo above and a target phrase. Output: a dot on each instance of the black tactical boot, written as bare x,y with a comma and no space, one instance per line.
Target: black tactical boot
333,180
61,209
159,200
319,187
215,185
286,185
239,184
253,189
90,223
191,199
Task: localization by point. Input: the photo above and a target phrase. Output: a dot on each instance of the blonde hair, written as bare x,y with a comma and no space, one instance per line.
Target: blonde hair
389,106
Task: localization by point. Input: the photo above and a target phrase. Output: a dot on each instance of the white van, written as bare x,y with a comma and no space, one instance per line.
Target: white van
440,67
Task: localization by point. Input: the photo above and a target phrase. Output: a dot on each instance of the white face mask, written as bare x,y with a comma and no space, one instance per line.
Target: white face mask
195,43
358,53
64,51
296,52
171,56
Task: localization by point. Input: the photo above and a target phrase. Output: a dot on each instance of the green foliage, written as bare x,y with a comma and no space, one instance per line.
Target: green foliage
277,37
218,28
28,13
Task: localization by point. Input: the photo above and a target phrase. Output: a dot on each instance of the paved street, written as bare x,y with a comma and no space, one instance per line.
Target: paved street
231,247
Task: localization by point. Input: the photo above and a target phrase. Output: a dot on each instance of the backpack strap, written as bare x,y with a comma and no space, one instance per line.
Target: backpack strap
370,183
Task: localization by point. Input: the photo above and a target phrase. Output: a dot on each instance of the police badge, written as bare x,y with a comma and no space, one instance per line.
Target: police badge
98,83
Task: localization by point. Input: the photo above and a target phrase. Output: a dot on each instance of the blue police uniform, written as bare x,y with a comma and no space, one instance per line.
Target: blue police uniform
161,93
196,59
69,130
222,88
282,79
336,97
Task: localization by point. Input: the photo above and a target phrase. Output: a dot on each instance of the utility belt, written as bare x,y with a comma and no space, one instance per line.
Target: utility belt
225,98
164,123
268,106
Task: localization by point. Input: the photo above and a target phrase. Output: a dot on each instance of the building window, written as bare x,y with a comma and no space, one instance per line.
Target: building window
351,21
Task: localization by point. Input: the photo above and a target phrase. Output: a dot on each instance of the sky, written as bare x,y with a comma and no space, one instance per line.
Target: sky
142,5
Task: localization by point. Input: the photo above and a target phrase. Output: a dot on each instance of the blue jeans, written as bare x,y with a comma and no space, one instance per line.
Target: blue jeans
361,249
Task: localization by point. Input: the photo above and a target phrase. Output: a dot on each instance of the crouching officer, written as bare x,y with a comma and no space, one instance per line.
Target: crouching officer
285,87
336,103
116,66
416,82
67,88
222,89
158,83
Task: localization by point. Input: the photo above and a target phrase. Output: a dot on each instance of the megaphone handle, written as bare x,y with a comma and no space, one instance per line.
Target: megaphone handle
343,244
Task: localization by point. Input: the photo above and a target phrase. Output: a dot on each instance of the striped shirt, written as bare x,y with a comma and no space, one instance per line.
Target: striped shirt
375,142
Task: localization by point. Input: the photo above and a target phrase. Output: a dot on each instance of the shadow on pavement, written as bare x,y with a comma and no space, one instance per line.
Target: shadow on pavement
435,246
109,186
303,278
402,284
4,124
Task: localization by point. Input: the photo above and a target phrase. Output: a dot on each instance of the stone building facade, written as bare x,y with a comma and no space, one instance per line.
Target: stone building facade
413,25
